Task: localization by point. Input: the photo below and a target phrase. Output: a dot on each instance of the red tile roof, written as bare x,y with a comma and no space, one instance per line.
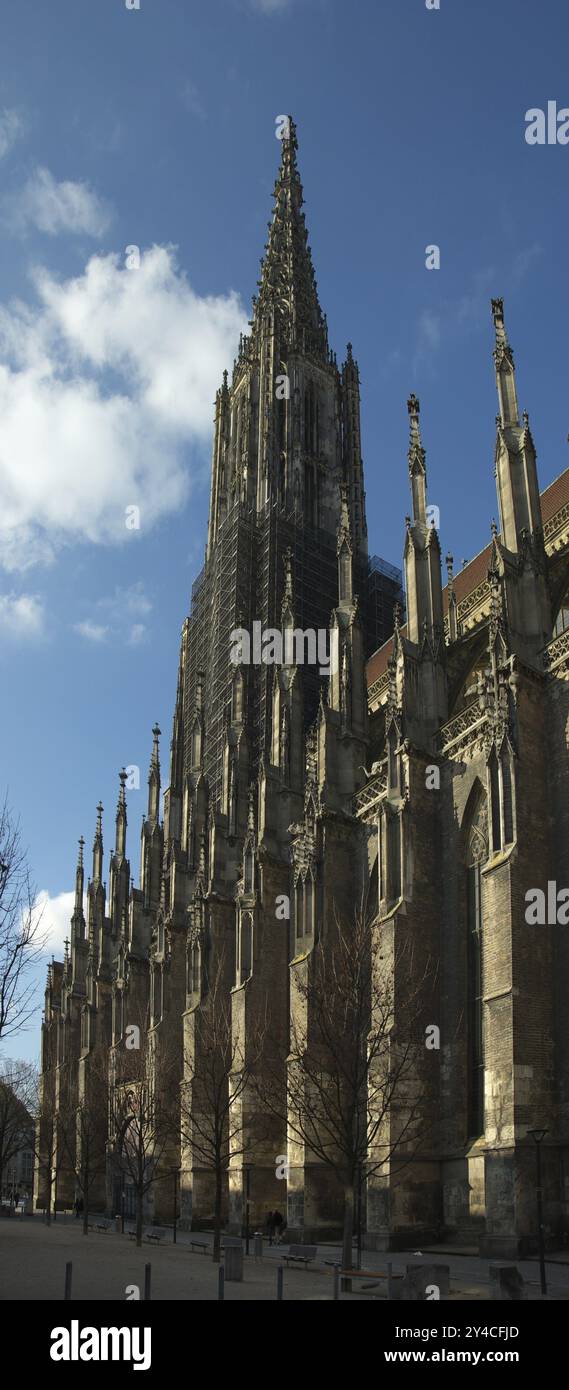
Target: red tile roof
474,573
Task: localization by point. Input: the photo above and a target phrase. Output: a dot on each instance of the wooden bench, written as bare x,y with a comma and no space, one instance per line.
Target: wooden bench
156,1233
199,1245
300,1254
101,1223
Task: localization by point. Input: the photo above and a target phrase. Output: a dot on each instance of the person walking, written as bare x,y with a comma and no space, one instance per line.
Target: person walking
271,1226
278,1223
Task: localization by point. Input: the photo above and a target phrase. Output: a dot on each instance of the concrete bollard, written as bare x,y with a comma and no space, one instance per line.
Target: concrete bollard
506,1283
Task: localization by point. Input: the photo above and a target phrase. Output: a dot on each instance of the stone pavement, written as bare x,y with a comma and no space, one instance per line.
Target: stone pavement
33,1258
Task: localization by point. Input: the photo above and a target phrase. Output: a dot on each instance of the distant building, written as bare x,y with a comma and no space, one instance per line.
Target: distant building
17,1142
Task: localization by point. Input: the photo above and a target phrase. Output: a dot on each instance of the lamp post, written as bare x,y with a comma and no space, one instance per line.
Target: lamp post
247,1199
538,1136
175,1172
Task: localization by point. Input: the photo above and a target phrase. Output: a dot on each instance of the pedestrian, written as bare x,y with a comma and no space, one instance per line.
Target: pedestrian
271,1226
278,1223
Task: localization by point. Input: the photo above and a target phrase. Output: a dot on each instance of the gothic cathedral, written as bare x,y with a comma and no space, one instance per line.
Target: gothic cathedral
420,772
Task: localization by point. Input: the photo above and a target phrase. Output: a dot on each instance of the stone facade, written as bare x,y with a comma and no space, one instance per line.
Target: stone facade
461,717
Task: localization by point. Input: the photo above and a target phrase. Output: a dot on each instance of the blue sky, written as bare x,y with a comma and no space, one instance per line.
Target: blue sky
156,128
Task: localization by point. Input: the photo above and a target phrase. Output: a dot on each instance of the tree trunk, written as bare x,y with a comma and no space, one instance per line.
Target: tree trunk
348,1233
85,1195
139,1217
217,1218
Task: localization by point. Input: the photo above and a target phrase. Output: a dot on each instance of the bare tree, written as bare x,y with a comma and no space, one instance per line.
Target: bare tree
51,1124
18,1101
21,937
84,1134
358,1078
144,1094
217,1075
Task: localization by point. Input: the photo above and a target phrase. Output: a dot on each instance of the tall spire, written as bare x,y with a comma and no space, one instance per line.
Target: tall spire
98,847
344,550
79,881
120,840
516,468
154,779
417,469
505,371
422,551
288,283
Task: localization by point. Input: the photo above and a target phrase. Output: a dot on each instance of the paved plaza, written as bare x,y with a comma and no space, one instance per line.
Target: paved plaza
33,1257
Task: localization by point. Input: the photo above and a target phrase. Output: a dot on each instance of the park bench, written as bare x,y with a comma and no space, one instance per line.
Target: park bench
199,1245
300,1254
101,1223
156,1233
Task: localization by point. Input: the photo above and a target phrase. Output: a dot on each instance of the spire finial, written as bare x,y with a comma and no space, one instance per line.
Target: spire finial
287,285
120,841
450,566
505,374
416,456
154,778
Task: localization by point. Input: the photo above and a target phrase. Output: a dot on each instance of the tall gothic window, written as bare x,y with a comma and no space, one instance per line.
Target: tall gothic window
476,854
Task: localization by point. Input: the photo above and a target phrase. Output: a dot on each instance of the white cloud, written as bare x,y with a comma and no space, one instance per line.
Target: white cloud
21,615
11,127
55,915
270,6
93,632
106,392
55,207
118,611
131,602
429,330
191,100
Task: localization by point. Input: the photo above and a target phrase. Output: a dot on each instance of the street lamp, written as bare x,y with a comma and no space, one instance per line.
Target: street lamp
247,1203
538,1136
